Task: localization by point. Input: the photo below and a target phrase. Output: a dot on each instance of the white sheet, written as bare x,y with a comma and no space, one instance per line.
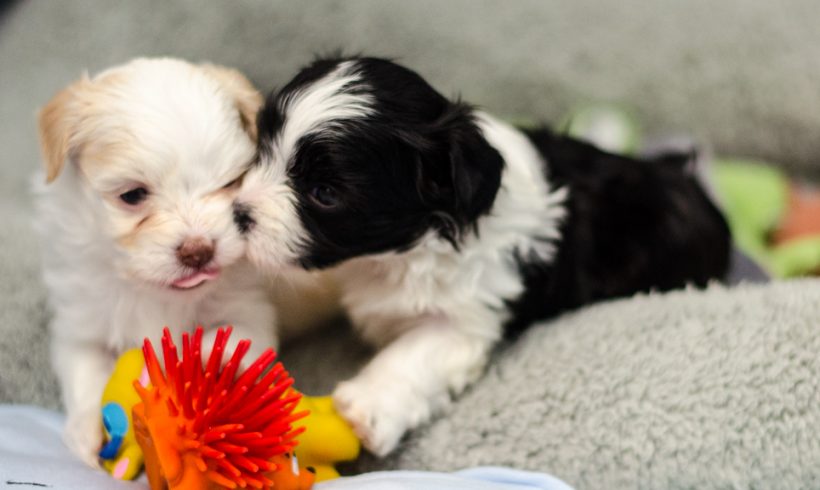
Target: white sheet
32,456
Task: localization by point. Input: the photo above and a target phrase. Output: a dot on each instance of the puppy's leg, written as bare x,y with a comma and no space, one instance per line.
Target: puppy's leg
409,380
83,369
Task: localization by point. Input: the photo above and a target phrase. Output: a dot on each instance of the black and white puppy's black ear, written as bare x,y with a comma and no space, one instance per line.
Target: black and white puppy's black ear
459,173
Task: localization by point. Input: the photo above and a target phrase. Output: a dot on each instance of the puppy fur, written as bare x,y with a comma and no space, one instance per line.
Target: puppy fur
118,271
445,227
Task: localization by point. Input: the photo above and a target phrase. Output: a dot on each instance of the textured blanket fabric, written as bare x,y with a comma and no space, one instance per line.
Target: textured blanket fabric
693,389
686,390
25,373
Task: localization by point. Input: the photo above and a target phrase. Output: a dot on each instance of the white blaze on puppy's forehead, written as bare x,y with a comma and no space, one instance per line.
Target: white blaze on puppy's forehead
322,104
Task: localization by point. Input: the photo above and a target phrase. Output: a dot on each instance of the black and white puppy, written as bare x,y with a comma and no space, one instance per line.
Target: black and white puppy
445,226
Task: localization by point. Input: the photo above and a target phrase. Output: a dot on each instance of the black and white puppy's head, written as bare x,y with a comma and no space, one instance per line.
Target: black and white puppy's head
361,156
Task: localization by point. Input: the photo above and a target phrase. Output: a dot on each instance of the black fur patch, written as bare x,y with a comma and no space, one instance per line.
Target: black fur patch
417,164
633,225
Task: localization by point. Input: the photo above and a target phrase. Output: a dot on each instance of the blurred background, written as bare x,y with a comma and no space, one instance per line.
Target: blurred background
740,75
743,75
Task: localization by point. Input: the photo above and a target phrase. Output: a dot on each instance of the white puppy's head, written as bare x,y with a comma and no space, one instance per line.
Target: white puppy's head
147,157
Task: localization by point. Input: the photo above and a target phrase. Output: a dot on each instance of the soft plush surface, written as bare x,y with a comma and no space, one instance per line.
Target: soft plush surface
688,390
693,389
25,374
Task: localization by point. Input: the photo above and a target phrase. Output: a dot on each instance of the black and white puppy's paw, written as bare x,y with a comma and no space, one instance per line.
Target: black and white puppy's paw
379,413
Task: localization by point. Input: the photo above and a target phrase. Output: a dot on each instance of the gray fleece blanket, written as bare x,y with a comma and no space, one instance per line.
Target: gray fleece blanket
692,389
714,389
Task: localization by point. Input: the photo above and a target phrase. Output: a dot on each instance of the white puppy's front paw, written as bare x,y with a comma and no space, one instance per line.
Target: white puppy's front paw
83,434
380,413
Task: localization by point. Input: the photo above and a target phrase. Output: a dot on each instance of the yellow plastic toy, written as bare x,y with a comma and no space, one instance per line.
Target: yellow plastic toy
121,455
326,439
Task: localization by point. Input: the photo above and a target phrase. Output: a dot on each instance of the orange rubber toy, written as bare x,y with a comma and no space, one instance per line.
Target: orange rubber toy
211,427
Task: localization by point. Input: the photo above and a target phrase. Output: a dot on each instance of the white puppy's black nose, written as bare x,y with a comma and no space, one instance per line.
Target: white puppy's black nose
195,252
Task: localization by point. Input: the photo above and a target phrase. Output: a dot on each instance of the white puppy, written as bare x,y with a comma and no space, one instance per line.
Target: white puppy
142,162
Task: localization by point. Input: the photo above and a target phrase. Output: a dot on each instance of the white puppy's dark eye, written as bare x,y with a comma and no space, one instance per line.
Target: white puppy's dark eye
134,196
324,196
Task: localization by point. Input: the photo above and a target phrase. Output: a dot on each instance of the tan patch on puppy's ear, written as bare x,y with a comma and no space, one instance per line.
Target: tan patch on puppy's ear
248,100
56,124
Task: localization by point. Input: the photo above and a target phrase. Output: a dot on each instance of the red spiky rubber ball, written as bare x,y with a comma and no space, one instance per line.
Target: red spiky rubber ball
212,425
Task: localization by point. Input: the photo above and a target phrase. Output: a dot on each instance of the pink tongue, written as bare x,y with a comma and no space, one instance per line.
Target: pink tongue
195,279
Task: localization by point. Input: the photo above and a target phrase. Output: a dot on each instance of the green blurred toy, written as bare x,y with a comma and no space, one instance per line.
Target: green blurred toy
773,220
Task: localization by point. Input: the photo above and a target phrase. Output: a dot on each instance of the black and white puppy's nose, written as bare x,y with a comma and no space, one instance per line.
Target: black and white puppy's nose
242,217
195,252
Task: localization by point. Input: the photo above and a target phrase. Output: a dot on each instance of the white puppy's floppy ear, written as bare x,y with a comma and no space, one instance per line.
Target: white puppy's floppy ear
56,124
248,100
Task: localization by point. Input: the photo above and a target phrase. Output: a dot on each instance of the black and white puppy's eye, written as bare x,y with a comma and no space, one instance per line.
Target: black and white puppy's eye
134,196
325,196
